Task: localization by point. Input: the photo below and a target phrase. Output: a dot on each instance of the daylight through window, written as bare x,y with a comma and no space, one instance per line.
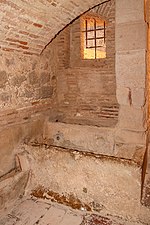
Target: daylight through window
93,35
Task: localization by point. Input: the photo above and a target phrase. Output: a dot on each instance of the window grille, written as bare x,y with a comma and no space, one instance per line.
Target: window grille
93,38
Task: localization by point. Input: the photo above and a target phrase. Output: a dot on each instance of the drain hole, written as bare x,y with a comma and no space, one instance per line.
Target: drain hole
58,138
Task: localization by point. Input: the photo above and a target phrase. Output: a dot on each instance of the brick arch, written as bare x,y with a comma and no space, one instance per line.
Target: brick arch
28,28
104,9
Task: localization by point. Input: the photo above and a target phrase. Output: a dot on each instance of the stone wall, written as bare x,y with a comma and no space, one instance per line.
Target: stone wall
27,92
24,80
131,79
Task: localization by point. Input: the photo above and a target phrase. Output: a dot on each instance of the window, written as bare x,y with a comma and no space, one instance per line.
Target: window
93,35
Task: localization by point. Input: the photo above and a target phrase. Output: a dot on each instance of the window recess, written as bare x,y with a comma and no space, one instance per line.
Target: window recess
93,38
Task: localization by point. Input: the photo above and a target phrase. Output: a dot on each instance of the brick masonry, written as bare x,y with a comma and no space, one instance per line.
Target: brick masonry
28,28
88,93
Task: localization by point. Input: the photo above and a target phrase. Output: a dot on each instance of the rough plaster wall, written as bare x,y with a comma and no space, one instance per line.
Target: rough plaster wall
86,89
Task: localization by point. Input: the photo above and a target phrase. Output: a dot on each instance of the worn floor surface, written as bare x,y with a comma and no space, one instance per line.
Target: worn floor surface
40,212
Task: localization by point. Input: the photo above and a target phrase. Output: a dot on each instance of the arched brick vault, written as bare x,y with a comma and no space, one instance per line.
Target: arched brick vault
28,26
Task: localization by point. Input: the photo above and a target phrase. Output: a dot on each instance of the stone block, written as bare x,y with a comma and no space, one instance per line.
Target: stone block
7,143
131,69
18,80
131,36
79,137
22,161
5,97
27,93
17,134
44,77
71,218
3,79
33,78
46,92
33,130
21,213
122,94
53,216
131,118
12,188
138,97
130,151
129,11
130,137
147,11
11,137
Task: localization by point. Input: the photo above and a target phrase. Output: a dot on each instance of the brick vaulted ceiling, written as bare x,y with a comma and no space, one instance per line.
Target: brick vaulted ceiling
28,26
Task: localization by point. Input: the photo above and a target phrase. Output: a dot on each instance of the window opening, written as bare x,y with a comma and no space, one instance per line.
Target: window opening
93,41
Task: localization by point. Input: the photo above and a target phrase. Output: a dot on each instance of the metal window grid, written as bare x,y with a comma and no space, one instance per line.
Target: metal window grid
96,37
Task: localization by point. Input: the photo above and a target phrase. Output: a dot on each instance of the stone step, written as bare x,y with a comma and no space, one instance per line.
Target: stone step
97,140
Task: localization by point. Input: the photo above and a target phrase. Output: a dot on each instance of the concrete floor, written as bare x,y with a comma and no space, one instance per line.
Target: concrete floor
42,212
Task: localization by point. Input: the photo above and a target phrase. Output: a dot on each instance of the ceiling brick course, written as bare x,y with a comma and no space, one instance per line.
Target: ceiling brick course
28,26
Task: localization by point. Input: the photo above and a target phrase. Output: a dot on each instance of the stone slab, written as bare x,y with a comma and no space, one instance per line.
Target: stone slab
12,136
133,75
138,97
79,137
22,213
130,137
131,36
71,218
52,216
131,118
12,188
129,11
122,94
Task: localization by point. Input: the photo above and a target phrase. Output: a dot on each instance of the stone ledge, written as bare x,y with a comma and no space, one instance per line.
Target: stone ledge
96,140
85,138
